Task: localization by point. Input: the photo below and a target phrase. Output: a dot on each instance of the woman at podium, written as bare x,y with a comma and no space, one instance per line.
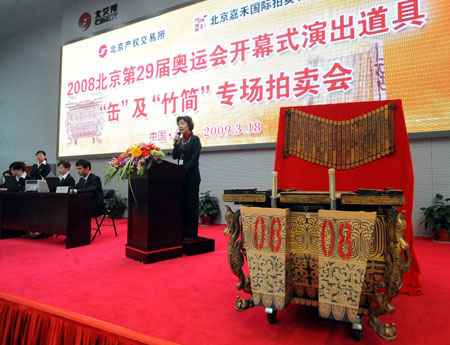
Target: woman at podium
187,147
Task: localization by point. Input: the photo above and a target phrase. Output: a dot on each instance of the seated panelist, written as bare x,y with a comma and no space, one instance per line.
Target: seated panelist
6,173
89,183
41,169
18,170
65,178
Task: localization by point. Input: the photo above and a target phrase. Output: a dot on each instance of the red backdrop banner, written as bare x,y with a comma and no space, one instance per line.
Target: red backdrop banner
394,170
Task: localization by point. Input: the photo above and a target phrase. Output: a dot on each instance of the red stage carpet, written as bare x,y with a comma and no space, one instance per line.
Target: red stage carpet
190,300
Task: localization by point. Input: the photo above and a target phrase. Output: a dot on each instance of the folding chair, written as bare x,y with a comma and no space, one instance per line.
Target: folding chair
107,194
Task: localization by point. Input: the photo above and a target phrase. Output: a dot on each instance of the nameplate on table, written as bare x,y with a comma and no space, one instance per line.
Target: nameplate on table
62,189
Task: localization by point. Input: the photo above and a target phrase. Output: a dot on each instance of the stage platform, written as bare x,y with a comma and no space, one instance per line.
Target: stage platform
190,300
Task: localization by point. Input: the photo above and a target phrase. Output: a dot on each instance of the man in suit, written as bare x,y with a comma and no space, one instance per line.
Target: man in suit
18,170
6,173
90,183
41,169
65,179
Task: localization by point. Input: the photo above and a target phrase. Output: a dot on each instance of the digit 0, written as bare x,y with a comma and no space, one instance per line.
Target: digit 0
259,245
325,224
83,85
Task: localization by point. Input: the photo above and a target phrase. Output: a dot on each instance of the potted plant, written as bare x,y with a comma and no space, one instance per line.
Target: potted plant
208,207
116,205
437,218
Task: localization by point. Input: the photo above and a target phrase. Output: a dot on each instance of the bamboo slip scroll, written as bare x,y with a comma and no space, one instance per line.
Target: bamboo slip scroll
340,145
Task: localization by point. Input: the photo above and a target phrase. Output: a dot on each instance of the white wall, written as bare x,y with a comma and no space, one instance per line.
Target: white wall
431,161
29,93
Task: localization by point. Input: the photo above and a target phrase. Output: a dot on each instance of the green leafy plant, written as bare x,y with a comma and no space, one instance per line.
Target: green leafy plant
116,204
208,205
437,216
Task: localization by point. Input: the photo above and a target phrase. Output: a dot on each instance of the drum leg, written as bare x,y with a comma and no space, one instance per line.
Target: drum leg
271,315
357,328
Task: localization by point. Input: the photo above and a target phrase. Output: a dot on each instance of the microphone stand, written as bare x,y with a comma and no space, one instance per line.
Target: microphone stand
179,144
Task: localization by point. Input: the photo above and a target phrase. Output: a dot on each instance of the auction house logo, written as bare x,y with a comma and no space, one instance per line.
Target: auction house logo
102,16
103,50
106,14
85,21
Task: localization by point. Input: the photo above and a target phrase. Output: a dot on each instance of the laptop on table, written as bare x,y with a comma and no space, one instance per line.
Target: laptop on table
52,183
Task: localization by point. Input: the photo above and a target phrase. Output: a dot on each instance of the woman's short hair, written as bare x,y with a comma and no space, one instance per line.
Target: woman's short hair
84,163
188,120
18,166
65,164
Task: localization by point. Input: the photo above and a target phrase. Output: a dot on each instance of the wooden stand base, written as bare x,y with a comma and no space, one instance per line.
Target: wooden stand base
147,257
199,246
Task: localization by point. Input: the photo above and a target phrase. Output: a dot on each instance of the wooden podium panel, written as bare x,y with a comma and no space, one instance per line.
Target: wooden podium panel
154,214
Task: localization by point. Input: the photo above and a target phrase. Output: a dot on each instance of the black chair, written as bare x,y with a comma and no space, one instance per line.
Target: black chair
107,194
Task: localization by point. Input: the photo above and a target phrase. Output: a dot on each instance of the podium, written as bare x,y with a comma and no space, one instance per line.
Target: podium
154,214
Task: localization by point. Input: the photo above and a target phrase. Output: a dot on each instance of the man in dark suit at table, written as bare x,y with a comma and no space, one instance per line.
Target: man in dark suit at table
6,173
65,179
41,169
89,183
18,170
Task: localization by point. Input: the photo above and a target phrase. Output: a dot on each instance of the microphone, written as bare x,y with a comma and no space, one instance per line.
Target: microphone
174,140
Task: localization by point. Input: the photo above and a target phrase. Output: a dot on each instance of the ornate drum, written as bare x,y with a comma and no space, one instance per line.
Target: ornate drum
304,253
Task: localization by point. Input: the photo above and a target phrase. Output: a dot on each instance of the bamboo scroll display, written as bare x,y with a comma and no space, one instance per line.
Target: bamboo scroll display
340,144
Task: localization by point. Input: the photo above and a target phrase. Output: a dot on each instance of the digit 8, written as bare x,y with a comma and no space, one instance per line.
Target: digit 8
274,233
